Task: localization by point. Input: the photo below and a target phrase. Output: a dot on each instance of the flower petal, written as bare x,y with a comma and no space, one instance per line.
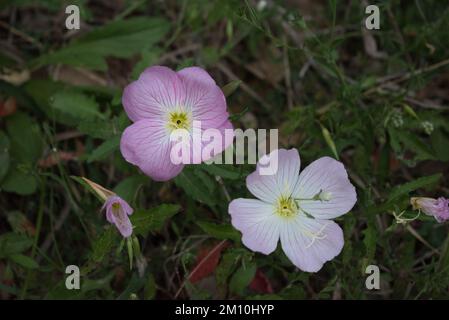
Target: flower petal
157,90
213,141
257,222
123,224
270,187
328,176
203,97
147,145
309,243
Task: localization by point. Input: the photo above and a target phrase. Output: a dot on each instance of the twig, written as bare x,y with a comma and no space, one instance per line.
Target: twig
217,247
287,75
223,68
421,239
22,35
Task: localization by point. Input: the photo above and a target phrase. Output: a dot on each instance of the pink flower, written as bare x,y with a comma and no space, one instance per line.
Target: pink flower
162,101
438,208
296,209
117,212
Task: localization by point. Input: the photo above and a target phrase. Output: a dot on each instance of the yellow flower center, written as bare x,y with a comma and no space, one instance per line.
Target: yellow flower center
178,120
116,209
286,207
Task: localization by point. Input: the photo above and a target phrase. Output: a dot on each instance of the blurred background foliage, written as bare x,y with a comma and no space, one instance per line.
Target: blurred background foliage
377,100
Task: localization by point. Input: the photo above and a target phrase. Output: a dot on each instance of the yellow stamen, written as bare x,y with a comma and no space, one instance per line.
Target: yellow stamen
178,120
286,207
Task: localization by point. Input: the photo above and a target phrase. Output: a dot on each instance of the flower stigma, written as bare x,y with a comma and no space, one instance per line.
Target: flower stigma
286,207
178,120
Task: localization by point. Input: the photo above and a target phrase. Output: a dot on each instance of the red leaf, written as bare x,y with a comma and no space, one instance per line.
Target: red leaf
206,262
7,107
260,283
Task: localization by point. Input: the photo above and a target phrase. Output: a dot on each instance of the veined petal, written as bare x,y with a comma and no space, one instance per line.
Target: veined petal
123,223
147,145
157,90
270,188
327,178
213,142
257,222
203,97
309,243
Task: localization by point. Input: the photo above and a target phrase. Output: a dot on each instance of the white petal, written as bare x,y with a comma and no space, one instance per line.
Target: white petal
258,223
309,243
270,187
328,176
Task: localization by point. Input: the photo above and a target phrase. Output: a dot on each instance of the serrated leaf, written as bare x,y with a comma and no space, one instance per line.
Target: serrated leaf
413,185
121,39
220,231
101,129
103,245
152,219
75,105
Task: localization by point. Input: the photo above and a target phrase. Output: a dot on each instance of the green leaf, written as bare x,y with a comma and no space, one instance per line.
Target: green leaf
413,185
101,247
25,138
105,149
150,57
370,241
153,219
242,278
128,187
195,185
330,142
103,129
121,39
13,243
20,180
226,171
75,106
227,266
220,231
4,155
413,143
229,88
24,261
150,288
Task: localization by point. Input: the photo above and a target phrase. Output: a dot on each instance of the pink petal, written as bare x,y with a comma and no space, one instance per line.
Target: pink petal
157,90
147,145
307,252
270,187
217,142
196,74
123,224
257,222
329,176
204,97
